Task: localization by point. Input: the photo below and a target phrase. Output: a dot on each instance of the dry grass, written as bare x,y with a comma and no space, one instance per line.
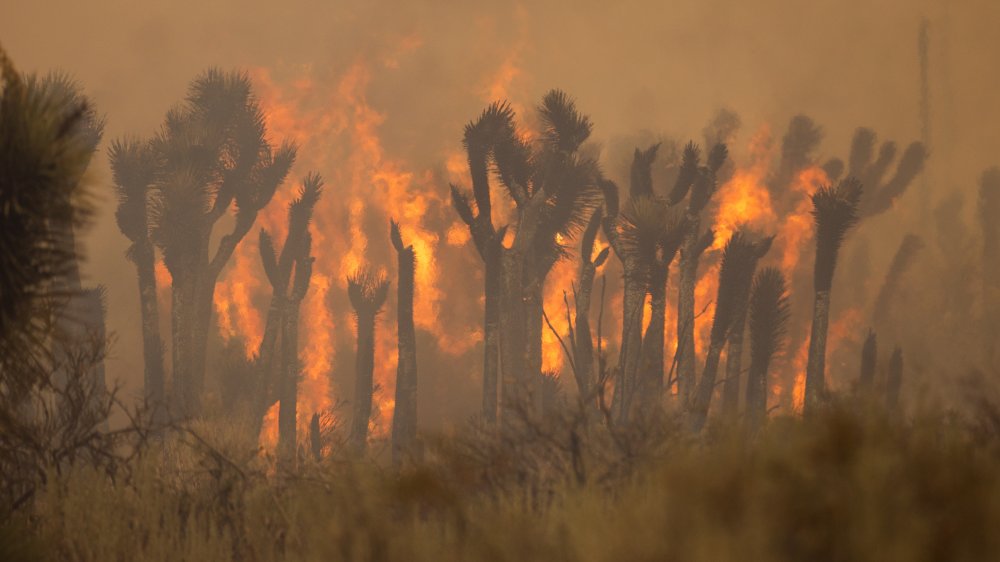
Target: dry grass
839,486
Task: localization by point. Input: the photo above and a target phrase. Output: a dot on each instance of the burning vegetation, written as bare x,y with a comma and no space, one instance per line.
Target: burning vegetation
354,355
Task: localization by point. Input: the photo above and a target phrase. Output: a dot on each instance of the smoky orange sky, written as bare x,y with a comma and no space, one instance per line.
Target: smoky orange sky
663,67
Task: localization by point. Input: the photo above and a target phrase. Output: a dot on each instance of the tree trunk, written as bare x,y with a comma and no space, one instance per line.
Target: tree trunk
688,271
756,401
651,370
734,366
289,388
816,366
182,311
513,356
404,418
583,349
706,387
364,371
628,357
491,335
152,344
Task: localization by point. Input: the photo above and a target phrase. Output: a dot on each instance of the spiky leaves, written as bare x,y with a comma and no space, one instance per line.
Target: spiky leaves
134,168
48,133
768,322
564,128
739,261
641,184
367,291
835,211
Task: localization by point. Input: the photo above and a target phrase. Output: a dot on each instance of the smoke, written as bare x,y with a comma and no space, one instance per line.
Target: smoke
378,97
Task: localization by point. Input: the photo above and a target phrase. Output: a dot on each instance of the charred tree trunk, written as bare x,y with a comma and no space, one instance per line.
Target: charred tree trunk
404,418
768,311
869,358
152,344
289,388
816,364
631,339
651,370
491,333
734,367
364,369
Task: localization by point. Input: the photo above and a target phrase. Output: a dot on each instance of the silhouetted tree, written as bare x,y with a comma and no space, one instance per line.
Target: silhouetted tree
734,348
367,291
835,211
870,170
869,359
700,182
739,261
768,321
48,134
404,417
581,337
908,250
290,366
134,172
285,271
212,154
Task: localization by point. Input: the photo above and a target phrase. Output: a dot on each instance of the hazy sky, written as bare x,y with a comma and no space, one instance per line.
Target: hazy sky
655,65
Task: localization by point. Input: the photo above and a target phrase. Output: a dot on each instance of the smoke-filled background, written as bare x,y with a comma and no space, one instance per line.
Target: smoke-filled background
376,95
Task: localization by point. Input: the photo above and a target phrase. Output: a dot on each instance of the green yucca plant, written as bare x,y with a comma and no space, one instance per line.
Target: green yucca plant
835,211
367,291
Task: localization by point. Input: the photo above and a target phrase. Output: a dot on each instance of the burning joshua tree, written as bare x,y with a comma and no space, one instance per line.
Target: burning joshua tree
835,211
404,416
367,291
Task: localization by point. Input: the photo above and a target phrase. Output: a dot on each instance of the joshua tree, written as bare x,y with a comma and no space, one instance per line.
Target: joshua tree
270,378
734,350
835,211
554,190
908,250
583,345
134,172
48,134
797,147
495,124
739,261
989,210
290,368
869,358
700,182
769,314
894,382
367,291
649,240
404,417
871,170
211,154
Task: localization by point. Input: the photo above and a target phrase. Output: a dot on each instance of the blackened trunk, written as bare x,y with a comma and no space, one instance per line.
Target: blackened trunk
491,335
734,367
816,365
706,387
688,271
152,344
631,339
651,370
364,383
289,385
583,350
404,418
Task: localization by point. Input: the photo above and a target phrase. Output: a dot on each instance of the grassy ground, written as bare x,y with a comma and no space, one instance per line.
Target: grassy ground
839,486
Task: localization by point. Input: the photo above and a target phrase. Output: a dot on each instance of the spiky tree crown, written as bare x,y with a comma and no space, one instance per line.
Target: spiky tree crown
739,260
367,291
769,312
650,231
642,171
133,171
835,211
